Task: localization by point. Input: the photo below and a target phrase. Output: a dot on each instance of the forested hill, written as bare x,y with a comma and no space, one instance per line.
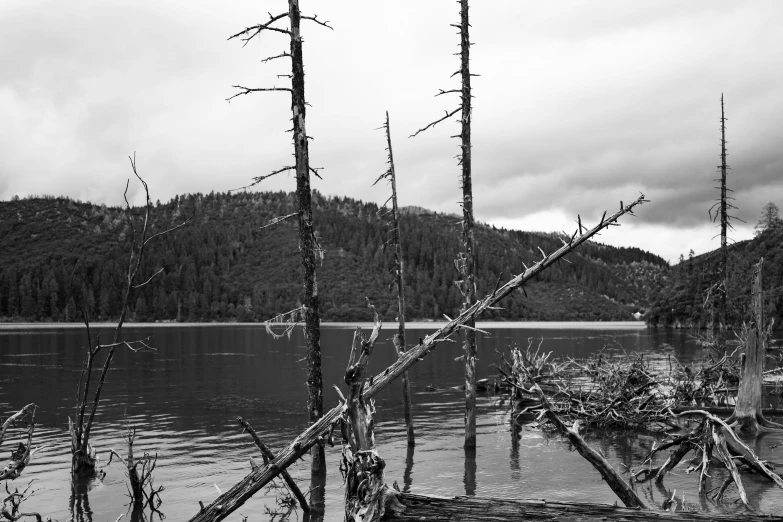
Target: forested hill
683,297
224,267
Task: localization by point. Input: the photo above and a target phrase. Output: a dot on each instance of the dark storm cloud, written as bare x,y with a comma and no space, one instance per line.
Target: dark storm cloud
578,104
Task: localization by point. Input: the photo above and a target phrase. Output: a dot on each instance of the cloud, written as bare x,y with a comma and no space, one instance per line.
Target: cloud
578,105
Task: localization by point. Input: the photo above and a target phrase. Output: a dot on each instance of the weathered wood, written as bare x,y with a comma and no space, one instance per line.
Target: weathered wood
486,509
608,473
83,455
738,447
13,418
268,455
399,339
748,414
20,457
467,260
724,224
366,492
238,494
315,401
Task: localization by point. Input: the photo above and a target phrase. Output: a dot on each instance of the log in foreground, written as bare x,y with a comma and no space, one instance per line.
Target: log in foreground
235,497
608,473
468,509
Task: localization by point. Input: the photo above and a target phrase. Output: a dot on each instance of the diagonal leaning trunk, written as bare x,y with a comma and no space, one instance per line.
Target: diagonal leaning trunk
315,405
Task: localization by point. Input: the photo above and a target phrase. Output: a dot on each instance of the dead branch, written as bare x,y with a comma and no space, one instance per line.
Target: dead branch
254,30
12,504
83,454
248,90
315,19
235,497
141,489
268,455
20,457
14,418
447,116
608,473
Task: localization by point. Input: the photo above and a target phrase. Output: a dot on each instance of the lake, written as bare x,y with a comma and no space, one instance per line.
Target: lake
184,397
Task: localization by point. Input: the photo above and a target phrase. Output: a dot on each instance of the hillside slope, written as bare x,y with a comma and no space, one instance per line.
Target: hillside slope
223,267
681,298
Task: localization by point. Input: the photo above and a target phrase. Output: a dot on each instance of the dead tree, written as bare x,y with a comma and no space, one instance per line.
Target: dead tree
366,492
14,418
748,415
466,261
141,489
399,339
723,205
20,456
321,430
82,452
12,504
308,244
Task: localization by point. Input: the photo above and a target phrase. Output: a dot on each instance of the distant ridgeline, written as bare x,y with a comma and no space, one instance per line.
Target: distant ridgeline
55,252
680,298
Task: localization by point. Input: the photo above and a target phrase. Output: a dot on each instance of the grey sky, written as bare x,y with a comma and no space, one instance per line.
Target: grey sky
579,105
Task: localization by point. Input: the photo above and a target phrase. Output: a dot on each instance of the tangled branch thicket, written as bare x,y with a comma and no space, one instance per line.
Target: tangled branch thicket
614,389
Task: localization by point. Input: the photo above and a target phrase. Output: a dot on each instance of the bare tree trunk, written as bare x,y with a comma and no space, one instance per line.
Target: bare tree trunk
366,494
82,453
399,340
315,404
748,415
468,242
724,223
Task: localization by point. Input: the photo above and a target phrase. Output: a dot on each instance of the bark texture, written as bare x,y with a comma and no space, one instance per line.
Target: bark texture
724,224
748,414
467,261
399,339
315,403
366,494
477,509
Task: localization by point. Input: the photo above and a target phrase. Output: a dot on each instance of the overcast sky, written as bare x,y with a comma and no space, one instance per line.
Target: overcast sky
579,105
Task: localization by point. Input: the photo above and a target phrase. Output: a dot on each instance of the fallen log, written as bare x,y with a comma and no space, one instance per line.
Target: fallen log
470,509
608,473
238,494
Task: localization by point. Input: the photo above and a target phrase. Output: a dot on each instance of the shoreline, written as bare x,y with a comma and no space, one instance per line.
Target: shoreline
413,325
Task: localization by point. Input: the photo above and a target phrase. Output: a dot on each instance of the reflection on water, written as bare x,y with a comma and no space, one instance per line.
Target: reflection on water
184,398
470,472
407,475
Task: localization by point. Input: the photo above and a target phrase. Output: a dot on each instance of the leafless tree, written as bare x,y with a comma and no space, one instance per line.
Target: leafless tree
83,454
399,274
308,245
720,212
466,261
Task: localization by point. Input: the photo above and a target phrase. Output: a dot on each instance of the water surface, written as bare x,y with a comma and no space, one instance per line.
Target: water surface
184,398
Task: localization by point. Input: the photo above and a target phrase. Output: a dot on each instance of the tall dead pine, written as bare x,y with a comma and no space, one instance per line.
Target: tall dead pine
466,261
308,246
723,205
399,276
